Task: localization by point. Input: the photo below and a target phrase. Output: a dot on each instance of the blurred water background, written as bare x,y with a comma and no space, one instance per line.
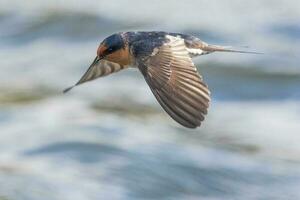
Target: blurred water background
109,139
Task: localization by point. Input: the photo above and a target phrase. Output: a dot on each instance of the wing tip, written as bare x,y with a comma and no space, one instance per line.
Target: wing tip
68,89
193,126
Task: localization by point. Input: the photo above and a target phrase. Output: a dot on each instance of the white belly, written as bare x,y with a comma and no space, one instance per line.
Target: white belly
196,52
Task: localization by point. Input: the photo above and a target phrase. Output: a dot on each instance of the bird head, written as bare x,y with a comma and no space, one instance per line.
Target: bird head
113,49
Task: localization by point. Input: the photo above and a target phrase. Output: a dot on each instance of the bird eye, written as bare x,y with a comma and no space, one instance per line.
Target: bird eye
110,49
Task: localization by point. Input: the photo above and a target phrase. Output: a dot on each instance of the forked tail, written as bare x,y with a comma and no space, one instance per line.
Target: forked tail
216,48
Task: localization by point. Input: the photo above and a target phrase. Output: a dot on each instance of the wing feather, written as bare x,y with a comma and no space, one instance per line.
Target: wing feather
96,70
176,84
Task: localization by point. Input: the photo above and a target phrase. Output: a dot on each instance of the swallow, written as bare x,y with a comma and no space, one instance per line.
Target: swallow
165,61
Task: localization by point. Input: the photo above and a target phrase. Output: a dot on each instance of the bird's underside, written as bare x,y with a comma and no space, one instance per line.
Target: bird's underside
164,59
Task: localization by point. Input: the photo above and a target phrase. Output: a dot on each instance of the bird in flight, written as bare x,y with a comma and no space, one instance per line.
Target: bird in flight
165,60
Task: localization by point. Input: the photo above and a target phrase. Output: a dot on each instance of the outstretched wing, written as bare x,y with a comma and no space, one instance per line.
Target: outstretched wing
96,70
176,84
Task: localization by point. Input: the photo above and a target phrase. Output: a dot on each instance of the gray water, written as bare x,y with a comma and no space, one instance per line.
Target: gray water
109,139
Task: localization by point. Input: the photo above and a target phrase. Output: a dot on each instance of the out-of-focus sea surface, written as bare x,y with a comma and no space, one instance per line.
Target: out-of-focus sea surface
109,139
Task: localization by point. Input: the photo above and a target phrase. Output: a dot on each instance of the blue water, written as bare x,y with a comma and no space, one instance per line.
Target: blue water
109,139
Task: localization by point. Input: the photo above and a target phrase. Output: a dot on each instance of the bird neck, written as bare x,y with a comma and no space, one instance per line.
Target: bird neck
121,56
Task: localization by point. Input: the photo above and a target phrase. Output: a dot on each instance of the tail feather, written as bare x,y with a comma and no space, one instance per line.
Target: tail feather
217,48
